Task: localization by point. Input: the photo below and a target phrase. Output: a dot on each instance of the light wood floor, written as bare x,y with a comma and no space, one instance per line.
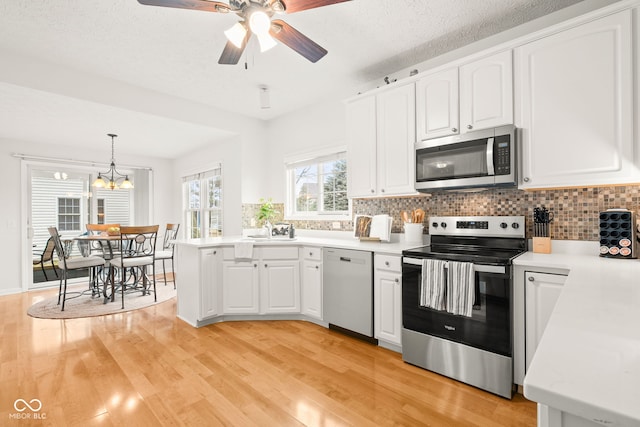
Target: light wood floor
149,368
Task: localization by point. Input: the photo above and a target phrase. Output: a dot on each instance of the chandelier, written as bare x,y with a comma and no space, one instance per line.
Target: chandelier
112,175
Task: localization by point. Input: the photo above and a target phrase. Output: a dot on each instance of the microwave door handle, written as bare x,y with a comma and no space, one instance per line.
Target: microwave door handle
490,170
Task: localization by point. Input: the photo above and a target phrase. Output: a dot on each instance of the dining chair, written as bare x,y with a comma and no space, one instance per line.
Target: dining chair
66,264
137,252
170,235
44,256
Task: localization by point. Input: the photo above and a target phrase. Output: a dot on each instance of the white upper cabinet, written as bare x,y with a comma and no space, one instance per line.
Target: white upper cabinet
380,141
396,138
437,105
475,96
361,148
486,92
575,105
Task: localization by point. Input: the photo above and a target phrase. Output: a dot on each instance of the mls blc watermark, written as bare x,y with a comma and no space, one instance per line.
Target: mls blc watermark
30,410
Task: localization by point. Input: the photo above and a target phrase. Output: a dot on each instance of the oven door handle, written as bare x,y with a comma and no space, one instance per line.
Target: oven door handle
480,268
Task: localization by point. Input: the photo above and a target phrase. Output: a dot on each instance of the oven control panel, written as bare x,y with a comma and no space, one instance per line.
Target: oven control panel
489,226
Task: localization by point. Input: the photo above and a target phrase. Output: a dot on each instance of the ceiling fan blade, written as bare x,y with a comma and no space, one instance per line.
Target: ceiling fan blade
231,53
297,41
292,6
207,6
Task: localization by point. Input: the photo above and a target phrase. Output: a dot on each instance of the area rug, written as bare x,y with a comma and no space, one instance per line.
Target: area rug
86,306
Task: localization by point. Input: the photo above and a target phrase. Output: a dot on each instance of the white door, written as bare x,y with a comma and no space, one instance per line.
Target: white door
576,104
542,291
486,92
388,306
240,281
437,111
312,289
395,141
209,267
361,147
280,284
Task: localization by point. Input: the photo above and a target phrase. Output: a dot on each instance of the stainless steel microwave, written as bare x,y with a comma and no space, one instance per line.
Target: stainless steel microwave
484,158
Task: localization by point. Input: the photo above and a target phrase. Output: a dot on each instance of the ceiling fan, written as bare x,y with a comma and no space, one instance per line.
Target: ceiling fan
255,18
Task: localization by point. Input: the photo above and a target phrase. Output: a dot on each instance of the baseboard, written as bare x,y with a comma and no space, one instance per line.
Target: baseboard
10,291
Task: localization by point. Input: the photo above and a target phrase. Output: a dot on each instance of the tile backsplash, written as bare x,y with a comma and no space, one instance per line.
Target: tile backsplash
576,209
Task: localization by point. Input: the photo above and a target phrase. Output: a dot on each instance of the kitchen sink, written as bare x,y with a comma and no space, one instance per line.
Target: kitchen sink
265,237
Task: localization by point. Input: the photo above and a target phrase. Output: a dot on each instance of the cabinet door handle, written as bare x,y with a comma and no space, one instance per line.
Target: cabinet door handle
525,179
310,253
454,129
469,127
373,191
382,190
215,252
386,263
531,279
265,266
255,265
397,280
317,267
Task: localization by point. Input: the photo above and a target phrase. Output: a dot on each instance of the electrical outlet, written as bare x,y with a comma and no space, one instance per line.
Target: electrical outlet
335,225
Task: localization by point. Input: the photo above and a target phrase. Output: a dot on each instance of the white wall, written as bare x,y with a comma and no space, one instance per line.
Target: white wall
11,213
309,129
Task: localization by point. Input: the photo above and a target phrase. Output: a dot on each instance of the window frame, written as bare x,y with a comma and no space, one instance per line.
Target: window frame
313,158
203,211
68,214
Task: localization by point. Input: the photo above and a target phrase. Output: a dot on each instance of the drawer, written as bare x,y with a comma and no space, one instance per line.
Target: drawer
311,253
279,252
229,254
388,262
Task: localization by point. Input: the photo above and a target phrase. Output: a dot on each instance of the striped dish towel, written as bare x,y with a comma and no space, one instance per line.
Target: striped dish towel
461,280
433,286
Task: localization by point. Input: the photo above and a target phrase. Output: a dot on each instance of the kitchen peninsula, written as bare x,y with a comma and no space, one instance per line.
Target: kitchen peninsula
586,368
282,279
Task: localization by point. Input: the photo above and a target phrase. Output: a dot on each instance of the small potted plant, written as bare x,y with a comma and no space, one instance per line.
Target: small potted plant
266,214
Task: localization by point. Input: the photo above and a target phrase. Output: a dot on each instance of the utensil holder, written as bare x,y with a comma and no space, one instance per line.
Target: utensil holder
413,232
542,245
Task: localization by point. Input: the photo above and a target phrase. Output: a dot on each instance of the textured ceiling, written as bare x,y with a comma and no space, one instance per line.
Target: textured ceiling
175,51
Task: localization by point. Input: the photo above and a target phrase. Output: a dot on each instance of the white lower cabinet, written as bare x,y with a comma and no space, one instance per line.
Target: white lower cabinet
542,291
387,299
240,287
268,284
311,282
197,283
280,286
209,278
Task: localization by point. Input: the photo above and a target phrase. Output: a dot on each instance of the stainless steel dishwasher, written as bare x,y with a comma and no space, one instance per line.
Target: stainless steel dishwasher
348,291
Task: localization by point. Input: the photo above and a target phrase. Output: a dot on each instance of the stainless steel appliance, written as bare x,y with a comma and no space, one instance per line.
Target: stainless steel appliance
618,234
348,291
474,349
484,158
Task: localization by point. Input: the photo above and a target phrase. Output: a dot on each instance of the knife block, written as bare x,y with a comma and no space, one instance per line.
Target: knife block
542,245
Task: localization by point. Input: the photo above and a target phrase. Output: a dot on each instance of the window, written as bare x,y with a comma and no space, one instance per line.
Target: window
318,186
202,204
100,211
69,214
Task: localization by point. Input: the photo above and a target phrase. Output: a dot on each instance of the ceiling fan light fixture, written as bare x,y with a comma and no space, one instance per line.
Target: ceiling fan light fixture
236,34
266,42
259,22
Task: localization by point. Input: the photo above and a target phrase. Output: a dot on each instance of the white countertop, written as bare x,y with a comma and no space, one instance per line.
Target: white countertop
588,360
326,239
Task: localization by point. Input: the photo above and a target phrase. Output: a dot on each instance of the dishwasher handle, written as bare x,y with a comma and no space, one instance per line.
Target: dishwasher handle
345,259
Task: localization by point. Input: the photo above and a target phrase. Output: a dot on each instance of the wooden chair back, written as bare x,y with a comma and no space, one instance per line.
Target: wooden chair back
170,234
138,241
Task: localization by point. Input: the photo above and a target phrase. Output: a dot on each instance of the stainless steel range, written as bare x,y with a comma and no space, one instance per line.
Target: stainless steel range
457,299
